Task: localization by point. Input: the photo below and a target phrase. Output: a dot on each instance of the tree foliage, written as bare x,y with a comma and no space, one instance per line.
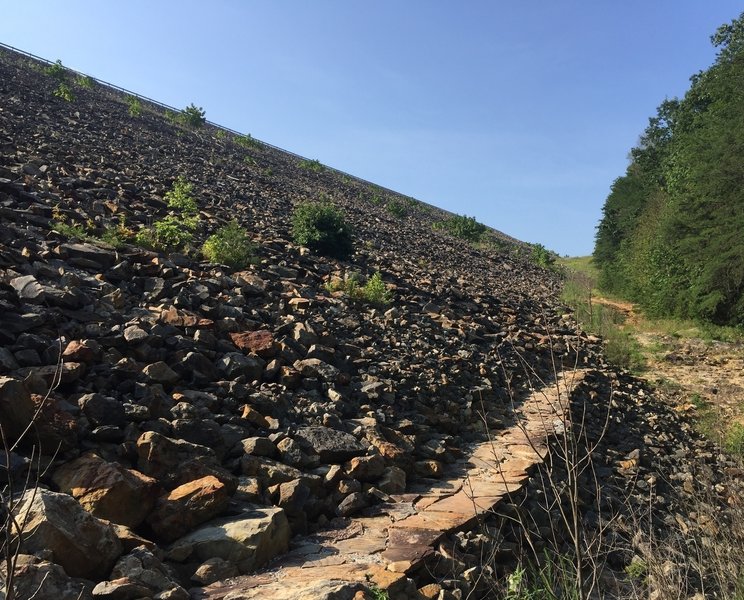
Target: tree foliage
670,236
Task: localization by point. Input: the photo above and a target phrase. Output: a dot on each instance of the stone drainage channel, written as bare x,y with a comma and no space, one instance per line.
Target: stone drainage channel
380,550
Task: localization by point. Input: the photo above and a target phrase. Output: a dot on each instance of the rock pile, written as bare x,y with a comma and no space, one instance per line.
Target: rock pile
181,420
195,415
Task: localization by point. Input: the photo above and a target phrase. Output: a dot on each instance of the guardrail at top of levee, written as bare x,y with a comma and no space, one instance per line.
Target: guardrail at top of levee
163,106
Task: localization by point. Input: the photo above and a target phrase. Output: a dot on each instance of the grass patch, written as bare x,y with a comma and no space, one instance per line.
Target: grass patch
621,347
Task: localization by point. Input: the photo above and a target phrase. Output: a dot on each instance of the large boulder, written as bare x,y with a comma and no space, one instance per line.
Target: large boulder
187,506
108,490
165,458
43,580
248,540
82,544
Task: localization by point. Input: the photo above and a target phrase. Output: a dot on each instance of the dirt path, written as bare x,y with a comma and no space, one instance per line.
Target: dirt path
694,374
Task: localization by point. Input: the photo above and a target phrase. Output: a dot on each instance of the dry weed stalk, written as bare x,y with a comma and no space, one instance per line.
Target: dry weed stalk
11,495
567,557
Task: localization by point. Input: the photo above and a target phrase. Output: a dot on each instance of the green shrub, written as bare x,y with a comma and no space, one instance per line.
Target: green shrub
397,208
169,233
466,228
84,81
542,257
63,91
192,116
174,231
322,227
312,165
734,439
373,292
230,245
180,197
134,105
247,141
117,235
70,230
57,70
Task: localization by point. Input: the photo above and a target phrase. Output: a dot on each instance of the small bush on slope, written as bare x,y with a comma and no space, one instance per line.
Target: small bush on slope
322,227
230,246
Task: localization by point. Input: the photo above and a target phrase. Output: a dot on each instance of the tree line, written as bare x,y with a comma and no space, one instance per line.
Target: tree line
671,237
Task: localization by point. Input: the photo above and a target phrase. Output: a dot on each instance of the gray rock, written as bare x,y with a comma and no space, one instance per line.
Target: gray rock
143,568
214,569
352,504
248,540
235,364
88,255
331,446
259,446
82,544
160,372
43,580
135,334
102,410
28,289
7,361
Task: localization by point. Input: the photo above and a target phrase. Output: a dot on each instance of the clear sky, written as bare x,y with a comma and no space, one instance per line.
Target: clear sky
518,113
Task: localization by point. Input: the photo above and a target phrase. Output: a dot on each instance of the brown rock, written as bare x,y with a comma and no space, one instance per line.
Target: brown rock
82,544
187,506
260,343
84,351
160,372
366,468
165,458
251,415
108,490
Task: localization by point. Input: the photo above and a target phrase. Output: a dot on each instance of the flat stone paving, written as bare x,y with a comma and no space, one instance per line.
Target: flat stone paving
381,549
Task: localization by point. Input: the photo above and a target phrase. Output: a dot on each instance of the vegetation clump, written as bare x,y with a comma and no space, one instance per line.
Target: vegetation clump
322,227
64,92
192,116
247,141
542,257
84,81
463,227
374,291
312,165
229,245
134,106
56,70
398,209
174,231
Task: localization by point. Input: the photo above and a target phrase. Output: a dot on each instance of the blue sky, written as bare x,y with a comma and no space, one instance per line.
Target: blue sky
518,113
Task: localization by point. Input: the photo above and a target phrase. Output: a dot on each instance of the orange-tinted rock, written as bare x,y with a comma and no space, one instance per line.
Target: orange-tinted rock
187,506
84,351
108,490
260,343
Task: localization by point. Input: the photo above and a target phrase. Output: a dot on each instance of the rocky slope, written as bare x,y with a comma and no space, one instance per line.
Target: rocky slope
188,420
